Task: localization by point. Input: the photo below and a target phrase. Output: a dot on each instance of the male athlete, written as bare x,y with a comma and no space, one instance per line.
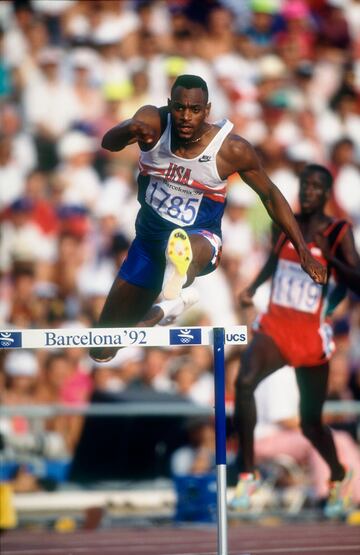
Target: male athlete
184,163
293,331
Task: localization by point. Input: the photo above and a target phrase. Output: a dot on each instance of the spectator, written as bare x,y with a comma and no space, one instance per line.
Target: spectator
153,372
22,143
49,106
198,457
82,187
10,173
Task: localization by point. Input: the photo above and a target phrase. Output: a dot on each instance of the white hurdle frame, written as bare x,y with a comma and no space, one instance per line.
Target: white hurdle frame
218,337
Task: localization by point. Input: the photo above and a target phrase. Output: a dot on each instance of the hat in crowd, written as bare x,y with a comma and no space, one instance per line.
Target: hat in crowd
106,207
302,151
265,6
174,66
241,196
45,290
21,204
295,9
75,142
98,282
82,57
49,56
117,90
104,36
271,67
76,223
21,363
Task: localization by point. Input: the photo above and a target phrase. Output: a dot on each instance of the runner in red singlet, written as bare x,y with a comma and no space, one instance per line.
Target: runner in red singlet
294,331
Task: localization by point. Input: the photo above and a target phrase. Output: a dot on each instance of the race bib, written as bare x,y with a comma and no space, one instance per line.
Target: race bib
294,288
174,202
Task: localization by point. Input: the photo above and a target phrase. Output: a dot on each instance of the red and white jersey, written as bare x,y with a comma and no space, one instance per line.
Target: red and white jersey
295,315
294,295
181,192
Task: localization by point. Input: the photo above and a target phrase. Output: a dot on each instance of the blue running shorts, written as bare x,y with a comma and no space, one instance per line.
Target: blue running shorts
144,265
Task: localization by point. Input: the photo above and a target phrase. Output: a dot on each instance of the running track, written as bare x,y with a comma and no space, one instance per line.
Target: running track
244,539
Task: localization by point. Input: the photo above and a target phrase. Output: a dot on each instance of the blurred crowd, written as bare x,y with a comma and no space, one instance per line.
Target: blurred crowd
286,72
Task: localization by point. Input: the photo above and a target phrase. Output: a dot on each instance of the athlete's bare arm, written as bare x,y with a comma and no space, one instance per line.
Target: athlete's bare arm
346,259
245,297
237,155
144,128
265,273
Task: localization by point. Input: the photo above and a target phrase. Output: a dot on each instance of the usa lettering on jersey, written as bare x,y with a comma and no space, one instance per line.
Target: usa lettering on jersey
177,174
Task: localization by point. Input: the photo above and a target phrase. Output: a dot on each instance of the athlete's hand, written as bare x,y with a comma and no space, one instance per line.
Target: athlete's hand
323,244
142,132
311,266
245,298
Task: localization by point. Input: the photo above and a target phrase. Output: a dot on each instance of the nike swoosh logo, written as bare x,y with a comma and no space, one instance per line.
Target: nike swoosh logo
205,159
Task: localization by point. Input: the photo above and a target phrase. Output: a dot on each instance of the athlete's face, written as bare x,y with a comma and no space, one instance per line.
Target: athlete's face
313,193
188,110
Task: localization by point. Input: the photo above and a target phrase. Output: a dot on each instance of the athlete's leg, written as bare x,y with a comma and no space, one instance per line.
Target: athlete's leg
261,358
312,382
125,305
188,256
203,252
165,312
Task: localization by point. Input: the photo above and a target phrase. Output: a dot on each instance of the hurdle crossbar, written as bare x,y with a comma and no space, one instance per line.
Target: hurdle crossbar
218,337
117,337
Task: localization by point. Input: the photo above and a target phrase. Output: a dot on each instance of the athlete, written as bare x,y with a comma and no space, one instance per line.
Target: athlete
293,331
184,163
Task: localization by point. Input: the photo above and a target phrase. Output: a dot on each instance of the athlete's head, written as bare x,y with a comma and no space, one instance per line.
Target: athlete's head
315,186
188,105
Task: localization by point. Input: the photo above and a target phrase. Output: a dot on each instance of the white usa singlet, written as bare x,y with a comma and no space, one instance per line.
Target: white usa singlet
179,192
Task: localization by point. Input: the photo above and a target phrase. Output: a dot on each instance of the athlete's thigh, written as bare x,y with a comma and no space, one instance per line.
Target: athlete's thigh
206,249
260,359
126,304
312,382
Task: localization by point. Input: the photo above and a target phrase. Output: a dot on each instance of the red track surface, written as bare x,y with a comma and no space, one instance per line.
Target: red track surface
244,539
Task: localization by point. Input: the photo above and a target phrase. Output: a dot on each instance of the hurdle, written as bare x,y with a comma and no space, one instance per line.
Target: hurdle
217,337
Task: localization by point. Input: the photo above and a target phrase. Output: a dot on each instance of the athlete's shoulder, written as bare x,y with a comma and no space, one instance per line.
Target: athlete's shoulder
238,153
148,113
335,225
155,117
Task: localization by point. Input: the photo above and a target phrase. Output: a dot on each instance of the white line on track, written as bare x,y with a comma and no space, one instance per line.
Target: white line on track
319,549
89,548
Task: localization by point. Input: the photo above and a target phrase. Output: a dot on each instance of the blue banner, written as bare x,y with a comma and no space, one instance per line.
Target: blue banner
185,336
10,339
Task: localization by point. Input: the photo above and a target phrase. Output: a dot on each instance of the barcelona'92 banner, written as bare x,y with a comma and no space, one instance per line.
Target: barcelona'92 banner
117,337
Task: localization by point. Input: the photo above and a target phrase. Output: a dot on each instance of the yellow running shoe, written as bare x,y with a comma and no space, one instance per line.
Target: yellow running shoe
178,259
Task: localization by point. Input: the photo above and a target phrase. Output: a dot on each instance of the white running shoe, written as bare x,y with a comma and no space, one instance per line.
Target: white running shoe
178,259
339,501
248,484
172,309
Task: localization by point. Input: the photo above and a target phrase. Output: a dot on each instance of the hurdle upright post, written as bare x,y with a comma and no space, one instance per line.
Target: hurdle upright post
220,439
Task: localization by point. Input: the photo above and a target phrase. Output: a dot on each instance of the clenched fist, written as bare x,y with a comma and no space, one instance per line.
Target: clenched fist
142,132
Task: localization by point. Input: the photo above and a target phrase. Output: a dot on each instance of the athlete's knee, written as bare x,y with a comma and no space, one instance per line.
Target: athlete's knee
311,429
249,374
245,384
102,354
